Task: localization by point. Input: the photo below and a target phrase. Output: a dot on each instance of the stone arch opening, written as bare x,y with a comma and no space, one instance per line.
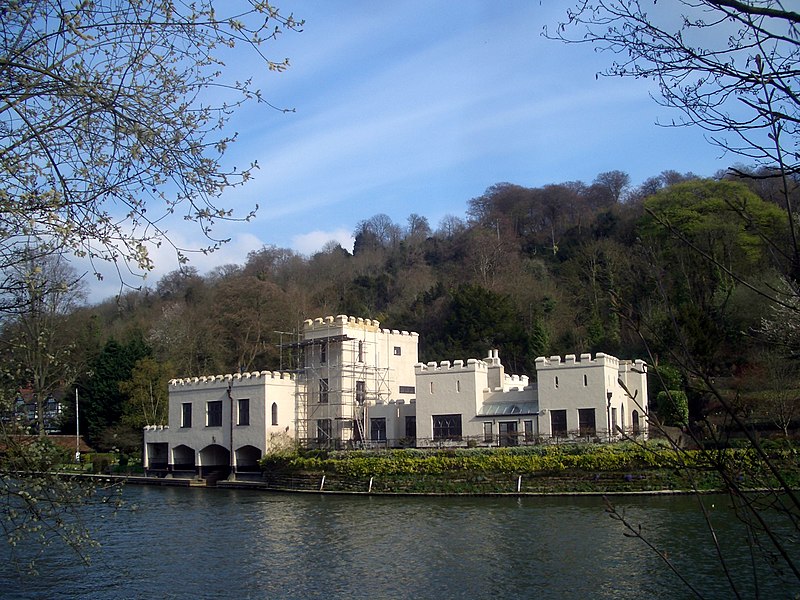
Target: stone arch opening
214,460
247,458
183,458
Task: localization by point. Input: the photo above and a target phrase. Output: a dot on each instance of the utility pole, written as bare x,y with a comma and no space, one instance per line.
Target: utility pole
77,430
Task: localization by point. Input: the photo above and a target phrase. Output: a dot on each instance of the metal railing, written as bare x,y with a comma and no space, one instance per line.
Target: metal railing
511,439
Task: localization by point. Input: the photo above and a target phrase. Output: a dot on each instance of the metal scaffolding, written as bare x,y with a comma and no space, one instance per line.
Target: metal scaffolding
339,379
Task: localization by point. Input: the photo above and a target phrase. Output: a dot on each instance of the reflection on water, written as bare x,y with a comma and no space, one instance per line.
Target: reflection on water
188,543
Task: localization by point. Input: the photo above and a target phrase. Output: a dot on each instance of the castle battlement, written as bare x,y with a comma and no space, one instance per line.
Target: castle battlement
473,365
586,360
637,366
398,332
212,380
516,381
340,322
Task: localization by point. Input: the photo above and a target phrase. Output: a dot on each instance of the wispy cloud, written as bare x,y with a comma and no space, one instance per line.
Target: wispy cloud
418,106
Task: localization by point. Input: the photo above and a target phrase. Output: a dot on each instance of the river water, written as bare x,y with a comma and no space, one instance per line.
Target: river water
215,543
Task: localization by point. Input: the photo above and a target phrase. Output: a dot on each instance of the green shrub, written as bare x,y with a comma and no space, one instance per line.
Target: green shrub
100,464
673,408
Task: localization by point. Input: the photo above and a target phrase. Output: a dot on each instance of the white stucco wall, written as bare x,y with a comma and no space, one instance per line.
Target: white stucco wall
397,387
445,388
585,383
262,389
350,350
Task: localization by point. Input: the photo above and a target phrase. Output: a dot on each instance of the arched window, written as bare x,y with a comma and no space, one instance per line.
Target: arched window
274,413
636,422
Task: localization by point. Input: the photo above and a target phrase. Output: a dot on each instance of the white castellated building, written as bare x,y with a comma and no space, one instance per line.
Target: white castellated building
358,385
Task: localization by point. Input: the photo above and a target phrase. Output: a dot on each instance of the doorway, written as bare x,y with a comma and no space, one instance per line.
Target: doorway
508,433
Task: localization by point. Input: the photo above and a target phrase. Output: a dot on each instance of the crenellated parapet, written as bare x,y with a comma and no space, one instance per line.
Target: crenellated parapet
399,332
339,322
635,366
473,365
342,322
516,381
215,380
570,360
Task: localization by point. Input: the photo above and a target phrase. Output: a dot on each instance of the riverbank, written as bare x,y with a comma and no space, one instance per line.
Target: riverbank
600,469
316,484
567,469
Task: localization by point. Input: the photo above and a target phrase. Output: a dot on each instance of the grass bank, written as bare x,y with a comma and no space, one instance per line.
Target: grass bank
558,469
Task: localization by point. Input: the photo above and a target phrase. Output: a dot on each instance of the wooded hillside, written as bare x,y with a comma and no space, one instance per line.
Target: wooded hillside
565,268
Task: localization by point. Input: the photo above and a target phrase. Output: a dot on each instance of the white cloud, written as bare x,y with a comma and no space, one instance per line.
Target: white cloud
414,107
314,241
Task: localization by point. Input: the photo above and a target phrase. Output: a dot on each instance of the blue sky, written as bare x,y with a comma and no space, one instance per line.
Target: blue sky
416,107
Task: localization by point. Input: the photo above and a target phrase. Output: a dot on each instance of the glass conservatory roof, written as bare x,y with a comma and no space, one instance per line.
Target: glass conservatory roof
508,408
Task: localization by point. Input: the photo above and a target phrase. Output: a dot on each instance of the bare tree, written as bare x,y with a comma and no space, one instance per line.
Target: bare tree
38,349
730,67
113,117
614,183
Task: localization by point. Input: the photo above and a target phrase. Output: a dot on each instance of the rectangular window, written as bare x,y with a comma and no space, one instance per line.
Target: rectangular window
377,429
186,414
360,351
446,427
558,422
586,421
323,431
243,412
214,413
411,427
323,391
397,351
407,389
488,436
507,433
528,430
361,392
323,354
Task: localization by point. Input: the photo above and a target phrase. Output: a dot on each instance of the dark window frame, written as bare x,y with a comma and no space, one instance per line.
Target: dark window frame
214,413
411,426
488,434
587,421
324,431
447,427
243,412
527,426
324,390
558,422
186,415
361,392
377,429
